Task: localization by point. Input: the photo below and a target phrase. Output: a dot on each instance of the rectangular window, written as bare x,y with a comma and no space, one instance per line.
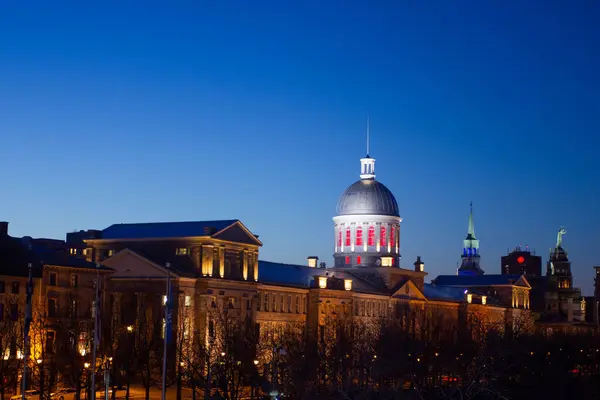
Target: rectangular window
359,236
289,305
297,304
274,309
52,308
371,236
15,288
52,279
74,280
231,302
181,251
14,312
73,309
282,309
266,306
348,260
258,301
248,304
382,238
50,342
188,301
358,260
348,237
111,252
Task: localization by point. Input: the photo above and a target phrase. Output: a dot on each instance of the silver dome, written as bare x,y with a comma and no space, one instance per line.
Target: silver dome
368,197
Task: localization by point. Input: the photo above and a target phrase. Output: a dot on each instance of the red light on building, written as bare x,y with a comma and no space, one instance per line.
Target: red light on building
521,259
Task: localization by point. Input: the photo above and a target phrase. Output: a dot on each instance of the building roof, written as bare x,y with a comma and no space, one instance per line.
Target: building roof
445,293
302,276
475,280
368,197
156,230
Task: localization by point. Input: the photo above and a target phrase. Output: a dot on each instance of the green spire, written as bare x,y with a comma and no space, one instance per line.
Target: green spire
471,231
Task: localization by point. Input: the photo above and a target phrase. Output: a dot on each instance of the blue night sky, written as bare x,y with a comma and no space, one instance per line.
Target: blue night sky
191,110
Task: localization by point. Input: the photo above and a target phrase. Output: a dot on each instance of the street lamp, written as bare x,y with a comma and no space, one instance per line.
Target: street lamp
86,365
255,362
129,328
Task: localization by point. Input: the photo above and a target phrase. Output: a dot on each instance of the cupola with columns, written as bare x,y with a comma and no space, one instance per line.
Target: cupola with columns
367,225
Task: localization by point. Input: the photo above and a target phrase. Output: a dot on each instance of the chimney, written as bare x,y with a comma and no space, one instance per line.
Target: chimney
312,261
3,228
419,265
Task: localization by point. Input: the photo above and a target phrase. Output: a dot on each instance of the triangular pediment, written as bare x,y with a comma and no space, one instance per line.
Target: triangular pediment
522,281
129,264
409,290
238,233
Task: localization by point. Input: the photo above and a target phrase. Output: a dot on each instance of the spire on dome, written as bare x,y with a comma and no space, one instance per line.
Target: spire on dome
367,164
471,230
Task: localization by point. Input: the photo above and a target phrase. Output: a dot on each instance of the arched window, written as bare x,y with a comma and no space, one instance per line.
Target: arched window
382,241
393,235
359,237
340,238
348,237
371,239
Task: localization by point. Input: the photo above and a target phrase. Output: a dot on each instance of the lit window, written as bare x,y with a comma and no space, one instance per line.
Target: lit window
382,236
371,239
340,238
323,282
387,261
358,259
164,299
347,259
188,301
111,253
348,237
348,284
393,236
359,236
181,251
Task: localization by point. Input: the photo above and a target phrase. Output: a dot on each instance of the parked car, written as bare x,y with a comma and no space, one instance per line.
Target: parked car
63,394
29,395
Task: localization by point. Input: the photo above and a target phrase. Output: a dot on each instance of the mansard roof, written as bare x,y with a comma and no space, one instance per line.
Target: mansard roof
480,280
166,230
154,230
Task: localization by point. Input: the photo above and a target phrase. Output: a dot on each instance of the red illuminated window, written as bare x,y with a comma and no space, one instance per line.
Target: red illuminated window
348,236
340,239
347,259
392,261
358,259
371,239
359,238
393,236
382,236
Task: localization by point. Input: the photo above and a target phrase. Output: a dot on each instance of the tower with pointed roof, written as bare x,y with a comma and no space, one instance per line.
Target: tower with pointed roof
470,259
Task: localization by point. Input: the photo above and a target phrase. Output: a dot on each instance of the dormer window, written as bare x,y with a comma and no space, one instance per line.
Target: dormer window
182,251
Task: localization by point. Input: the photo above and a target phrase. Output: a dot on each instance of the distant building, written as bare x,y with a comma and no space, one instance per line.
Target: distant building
521,262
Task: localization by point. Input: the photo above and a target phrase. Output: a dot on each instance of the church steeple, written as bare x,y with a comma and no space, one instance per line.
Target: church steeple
367,164
470,256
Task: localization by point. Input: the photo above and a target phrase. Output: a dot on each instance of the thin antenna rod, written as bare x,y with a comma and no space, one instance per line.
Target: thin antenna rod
368,136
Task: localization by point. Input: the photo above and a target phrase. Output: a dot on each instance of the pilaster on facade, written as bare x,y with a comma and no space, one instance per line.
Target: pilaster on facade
207,259
245,256
255,269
